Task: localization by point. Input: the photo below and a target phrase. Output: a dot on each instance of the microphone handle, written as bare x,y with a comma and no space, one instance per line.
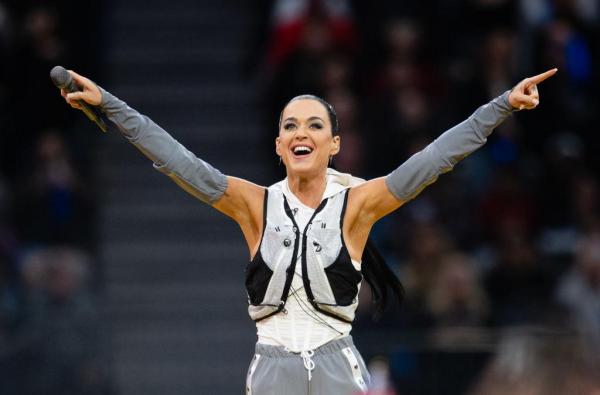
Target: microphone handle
92,115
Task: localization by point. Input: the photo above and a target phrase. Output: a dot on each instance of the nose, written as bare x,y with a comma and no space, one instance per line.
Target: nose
301,134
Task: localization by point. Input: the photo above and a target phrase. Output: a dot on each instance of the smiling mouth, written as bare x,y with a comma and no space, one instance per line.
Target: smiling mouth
302,151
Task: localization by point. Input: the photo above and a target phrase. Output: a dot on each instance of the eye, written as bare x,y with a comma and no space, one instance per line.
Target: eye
289,126
316,125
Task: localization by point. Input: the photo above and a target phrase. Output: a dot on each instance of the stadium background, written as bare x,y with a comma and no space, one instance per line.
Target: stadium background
114,281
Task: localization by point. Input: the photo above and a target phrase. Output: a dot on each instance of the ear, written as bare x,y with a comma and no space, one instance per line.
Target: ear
277,149
335,147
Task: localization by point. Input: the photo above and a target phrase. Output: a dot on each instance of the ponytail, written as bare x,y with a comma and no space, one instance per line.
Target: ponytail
380,278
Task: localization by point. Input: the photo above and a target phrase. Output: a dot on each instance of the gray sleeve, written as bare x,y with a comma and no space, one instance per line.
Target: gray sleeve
439,157
169,156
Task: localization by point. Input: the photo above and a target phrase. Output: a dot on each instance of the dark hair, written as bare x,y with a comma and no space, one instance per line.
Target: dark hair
335,127
380,277
376,272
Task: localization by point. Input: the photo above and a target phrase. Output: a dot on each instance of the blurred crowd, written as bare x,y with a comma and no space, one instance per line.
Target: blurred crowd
51,338
512,236
509,239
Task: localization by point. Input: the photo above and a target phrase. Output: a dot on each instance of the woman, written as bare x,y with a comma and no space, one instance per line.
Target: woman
307,233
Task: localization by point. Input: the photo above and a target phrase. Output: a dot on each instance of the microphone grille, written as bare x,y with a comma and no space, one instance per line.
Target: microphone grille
60,76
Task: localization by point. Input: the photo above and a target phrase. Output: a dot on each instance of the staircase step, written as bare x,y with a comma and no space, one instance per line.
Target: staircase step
175,57
230,8
198,94
174,268
181,37
217,18
184,358
175,67
173,297
215,252
197,270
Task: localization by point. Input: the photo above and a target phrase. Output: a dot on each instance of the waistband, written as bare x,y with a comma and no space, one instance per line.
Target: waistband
281,352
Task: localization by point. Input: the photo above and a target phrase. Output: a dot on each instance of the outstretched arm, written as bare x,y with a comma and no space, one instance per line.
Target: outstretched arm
374,199
439,157
239,199
168,156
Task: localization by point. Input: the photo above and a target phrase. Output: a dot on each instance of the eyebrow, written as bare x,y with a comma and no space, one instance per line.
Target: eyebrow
309,119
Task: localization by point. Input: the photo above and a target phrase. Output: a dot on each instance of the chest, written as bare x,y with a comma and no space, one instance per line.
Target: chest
292,229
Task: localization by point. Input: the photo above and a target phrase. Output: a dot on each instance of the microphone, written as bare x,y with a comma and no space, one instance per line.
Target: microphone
63,80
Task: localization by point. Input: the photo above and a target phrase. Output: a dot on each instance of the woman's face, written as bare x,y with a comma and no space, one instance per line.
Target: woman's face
305,140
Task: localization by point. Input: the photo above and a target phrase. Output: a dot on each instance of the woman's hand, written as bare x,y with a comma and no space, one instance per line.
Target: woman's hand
525,94
89,92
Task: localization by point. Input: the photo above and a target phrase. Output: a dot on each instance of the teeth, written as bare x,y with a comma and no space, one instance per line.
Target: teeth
302,148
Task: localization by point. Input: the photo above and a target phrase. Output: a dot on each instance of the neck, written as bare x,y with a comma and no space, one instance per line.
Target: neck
309,190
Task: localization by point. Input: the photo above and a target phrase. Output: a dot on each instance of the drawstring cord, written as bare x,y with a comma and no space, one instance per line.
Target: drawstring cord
309,364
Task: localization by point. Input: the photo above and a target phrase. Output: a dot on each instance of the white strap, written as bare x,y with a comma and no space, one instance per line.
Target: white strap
309,364
355,368
251,373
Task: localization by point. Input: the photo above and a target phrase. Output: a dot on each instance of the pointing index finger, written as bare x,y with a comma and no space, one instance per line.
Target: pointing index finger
541,77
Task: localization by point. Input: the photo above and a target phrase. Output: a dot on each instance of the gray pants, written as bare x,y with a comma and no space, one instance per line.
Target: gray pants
335,368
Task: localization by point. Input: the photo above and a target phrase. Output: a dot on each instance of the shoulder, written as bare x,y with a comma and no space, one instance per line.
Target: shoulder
276,188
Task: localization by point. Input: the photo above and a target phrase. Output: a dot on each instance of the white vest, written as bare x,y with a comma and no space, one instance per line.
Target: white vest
330,280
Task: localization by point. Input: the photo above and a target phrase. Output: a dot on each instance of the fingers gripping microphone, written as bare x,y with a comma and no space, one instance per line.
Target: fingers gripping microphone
63,80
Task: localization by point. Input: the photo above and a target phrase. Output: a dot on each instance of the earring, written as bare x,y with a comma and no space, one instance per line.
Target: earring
280,161
330,160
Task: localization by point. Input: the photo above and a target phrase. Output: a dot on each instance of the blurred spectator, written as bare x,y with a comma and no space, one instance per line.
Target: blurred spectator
427,249
586,201
62,346
506,207
380,377
403,127
562,219
293,26
337,73
566,41
456,303
48,319
400,96
542,364
4,43
456,297
518,286
40,47
406,62
398,74
484,246
303,70
351,158
36,47
497,60
9,303
579,288
308,51
52,205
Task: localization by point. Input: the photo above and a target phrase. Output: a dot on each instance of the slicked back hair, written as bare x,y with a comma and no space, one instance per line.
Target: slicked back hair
333,119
